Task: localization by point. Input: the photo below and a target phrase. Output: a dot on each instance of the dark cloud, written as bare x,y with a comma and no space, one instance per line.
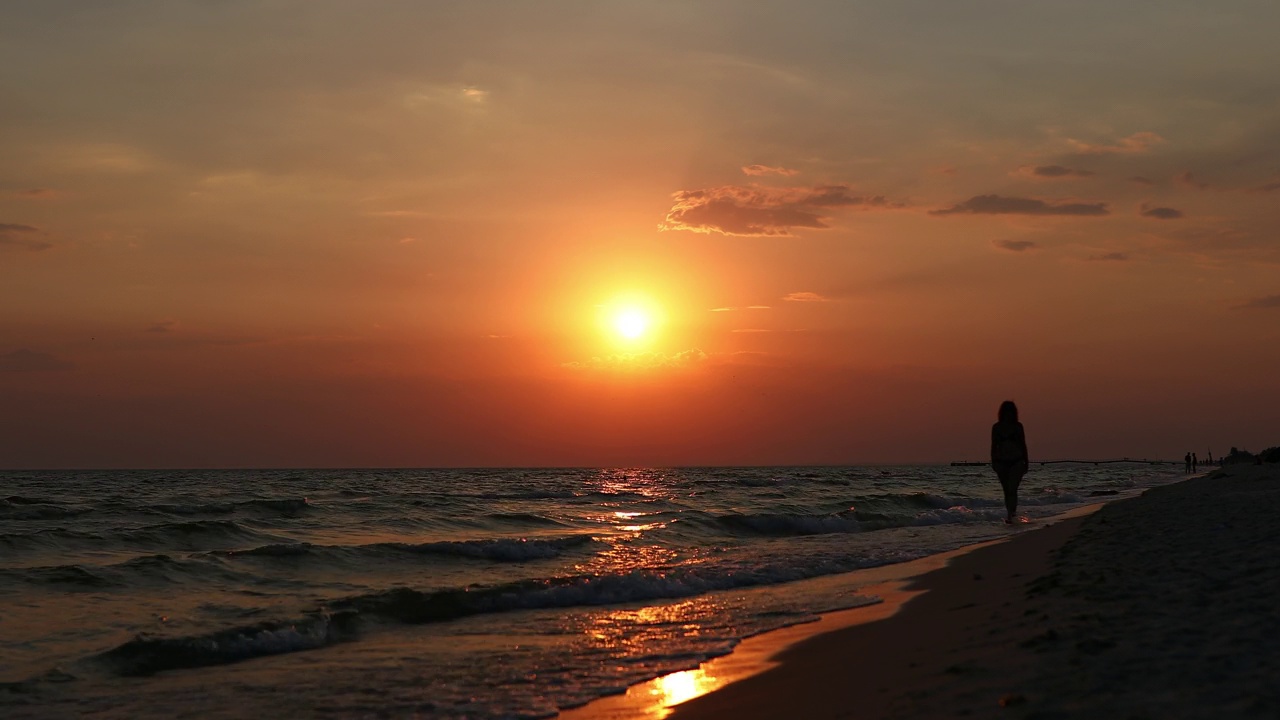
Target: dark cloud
163,326
1142,180
1189,180
21,236
1053,172
768,170
999,205
24,360
760,211
1268,187
36,193
31,244
1015,245
1109,257
1268,302
1161,213
1137,143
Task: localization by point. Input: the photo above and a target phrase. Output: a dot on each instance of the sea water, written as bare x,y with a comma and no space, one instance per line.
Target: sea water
449,593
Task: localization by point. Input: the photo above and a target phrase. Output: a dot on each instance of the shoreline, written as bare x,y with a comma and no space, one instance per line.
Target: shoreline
716,687
1159,605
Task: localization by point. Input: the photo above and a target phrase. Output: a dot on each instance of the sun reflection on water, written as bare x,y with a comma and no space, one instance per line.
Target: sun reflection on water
678,687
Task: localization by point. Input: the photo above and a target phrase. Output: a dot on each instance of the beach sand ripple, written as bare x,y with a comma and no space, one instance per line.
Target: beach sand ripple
1165,606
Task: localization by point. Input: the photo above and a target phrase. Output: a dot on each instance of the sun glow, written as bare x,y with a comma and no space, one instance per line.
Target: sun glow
631,323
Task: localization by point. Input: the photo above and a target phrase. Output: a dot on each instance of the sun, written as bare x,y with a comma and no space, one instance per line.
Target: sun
631,322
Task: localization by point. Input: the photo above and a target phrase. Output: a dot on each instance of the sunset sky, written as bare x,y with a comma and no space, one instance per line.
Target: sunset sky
399,233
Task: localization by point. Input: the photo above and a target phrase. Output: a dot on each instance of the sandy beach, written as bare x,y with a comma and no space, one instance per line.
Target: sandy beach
1160,606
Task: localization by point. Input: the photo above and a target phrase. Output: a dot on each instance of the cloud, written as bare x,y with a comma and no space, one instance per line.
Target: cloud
1109,257
164,326
24,360
1052,172
1160,213
805,296
759,307
20,236
1268,187
762,211
1139,142
36,193
723,309
999,205
1015,245
642,361
769,170
1186,178
104,157
1268,302
25,243
448,96
1142,180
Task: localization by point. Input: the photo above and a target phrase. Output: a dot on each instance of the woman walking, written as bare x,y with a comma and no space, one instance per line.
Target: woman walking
1009,454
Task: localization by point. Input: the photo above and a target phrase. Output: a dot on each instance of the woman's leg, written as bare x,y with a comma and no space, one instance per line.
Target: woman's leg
1008,482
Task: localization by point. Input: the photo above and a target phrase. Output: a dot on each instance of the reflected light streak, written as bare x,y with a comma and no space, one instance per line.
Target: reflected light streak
678,687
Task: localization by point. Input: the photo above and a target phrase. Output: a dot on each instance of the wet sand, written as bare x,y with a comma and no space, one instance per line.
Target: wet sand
1163,606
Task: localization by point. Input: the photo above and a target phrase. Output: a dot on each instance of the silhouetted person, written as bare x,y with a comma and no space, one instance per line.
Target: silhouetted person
1009,456
1187,459
1194,462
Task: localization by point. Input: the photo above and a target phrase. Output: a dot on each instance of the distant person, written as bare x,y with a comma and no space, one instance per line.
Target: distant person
1194,463
1187,460
1009,456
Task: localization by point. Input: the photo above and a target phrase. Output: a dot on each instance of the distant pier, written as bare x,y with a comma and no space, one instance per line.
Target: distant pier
962,463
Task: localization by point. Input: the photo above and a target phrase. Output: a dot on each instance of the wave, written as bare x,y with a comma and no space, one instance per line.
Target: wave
20,500
499,549
16,507
876,512
520,518
791,524
67,577
27,509
493,549
191,535
343,619
288,507
129,574
209,566
145,655
406,605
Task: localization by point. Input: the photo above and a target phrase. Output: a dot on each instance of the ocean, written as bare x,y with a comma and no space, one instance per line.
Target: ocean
449,593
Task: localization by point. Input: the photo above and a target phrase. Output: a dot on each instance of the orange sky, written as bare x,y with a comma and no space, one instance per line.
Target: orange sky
288,233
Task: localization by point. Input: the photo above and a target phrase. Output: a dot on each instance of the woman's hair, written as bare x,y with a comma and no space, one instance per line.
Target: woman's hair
1008,412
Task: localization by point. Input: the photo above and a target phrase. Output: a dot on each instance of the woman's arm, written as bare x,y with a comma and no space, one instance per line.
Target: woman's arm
1022,438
